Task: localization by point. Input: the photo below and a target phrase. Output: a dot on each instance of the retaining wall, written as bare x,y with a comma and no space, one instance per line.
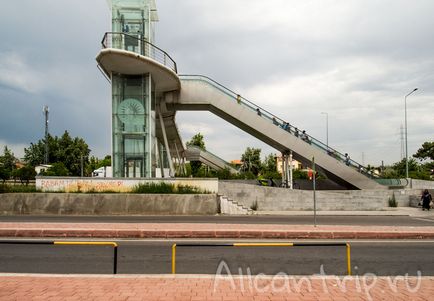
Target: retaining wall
421,184
280,199
70,184
107,204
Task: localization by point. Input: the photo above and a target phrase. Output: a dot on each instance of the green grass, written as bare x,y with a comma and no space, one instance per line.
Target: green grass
146,188
164,188
5,188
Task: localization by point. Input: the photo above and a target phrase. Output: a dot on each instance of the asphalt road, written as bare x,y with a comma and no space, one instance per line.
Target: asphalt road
294,220
154,257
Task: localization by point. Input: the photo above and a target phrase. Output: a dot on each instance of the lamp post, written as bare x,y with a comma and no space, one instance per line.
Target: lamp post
327,127
406,140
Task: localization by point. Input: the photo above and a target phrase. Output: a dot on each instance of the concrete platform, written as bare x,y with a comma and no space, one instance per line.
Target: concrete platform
196,287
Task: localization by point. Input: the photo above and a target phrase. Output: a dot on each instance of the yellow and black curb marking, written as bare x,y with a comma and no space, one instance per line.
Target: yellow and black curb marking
77,243
259,244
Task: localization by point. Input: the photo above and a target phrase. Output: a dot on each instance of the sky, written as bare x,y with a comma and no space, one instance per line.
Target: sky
352,59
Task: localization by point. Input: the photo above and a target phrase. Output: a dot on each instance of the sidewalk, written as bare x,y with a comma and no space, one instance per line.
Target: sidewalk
400,211
195,288
209,230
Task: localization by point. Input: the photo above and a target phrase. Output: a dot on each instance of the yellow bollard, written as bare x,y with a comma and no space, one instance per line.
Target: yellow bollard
349,259
174,259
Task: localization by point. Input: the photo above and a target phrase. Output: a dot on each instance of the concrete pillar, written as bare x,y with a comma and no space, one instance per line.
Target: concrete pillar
283,169
160,159
166,144
291,186
178,157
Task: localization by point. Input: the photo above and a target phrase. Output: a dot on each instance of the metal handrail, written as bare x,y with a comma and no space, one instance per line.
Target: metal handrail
281,123
150,50
393,182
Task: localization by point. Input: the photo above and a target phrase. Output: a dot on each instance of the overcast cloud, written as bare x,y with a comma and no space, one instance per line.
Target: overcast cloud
355,60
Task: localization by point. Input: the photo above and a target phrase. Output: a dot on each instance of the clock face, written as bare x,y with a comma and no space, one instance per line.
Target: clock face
131,111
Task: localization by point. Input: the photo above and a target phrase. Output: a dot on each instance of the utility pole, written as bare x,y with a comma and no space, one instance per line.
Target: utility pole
81,165
406,132
46,111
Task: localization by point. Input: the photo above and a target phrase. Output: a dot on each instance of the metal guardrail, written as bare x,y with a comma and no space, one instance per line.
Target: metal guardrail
393,182
255,244
136,44
55,242
284,125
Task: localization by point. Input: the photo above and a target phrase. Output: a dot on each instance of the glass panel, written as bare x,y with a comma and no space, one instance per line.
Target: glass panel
131,128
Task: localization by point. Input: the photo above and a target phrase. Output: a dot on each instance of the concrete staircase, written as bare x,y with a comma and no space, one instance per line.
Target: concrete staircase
231,207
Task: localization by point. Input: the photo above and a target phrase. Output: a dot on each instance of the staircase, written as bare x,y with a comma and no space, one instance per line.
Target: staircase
231,207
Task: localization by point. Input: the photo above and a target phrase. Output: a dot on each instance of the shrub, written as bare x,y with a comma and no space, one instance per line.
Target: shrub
164,188
17,188
392,201
254,206
186,189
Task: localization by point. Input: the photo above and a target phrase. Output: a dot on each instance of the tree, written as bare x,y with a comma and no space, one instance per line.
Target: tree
251,160
269,168
426,152
25,174
4,174
196,140
95,163
269,164
57,169
415,171
8,160
65,149
34,155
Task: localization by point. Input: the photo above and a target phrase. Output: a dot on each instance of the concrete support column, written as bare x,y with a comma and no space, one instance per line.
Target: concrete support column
178,157
291,186
166,144
283,169
287,171
160,159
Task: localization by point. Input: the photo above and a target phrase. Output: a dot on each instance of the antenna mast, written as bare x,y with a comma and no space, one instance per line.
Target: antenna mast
46,111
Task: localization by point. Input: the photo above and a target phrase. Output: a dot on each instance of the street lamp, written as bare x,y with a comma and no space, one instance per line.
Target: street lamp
327,127
406,140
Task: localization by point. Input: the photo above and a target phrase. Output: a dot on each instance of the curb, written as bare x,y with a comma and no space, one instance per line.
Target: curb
199,234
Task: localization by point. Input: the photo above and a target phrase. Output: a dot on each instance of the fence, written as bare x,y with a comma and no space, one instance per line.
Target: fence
47,242
280,244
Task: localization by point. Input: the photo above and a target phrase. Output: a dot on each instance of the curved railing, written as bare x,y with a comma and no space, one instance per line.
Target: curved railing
282,124
134,43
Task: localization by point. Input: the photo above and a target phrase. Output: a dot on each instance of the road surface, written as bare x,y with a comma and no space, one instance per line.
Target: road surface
385,258
291,220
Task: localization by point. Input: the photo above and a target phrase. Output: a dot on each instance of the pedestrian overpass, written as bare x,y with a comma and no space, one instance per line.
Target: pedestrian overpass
199,93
